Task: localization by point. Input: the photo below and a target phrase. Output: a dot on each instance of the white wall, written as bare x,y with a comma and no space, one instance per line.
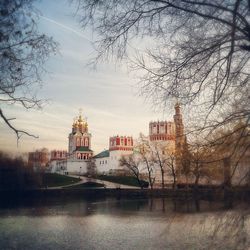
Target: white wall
114,157
102,165
76,167
106,164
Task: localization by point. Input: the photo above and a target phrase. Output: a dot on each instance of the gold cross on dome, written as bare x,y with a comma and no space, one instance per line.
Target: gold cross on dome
80,111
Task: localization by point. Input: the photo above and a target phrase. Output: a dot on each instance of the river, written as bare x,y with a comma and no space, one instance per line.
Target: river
111,223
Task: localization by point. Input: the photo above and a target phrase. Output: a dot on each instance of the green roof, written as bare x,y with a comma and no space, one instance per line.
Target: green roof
103,154
82,148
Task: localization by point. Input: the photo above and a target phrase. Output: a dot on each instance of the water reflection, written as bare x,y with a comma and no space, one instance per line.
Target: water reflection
85,207
110,223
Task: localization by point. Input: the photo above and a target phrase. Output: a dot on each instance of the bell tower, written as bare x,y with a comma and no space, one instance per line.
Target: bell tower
180,138
179,127
80,140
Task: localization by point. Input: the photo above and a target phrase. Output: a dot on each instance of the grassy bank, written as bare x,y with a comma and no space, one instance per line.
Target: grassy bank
87,185
54,180
125,180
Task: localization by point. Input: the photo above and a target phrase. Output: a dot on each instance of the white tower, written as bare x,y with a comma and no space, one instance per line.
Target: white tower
80,140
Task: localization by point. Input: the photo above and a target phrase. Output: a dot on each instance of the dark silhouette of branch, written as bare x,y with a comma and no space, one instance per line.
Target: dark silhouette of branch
199,54
23,53
132,165
18,132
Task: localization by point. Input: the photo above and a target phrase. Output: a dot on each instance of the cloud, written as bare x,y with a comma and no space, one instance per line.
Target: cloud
74,31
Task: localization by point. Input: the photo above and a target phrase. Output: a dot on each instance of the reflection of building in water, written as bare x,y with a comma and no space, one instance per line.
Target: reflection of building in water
108,160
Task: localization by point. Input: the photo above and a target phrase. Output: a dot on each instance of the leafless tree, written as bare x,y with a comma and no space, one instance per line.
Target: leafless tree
199,50
157,156
145,154
160,161
200,163
23,52
132,164
232,147
171,168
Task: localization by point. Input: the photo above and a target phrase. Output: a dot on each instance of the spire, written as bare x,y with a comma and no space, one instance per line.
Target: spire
177,108
179,127
80,111
180,138
178,115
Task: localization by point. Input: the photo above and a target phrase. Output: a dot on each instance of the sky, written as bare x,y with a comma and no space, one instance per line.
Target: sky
107,95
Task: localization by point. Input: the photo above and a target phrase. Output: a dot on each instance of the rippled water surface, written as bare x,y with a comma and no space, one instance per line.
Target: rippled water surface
124,224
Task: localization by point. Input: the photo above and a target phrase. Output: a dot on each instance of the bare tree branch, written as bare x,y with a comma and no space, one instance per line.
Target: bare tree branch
18,132
23,53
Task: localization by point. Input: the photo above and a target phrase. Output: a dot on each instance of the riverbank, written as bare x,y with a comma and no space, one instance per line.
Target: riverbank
207,194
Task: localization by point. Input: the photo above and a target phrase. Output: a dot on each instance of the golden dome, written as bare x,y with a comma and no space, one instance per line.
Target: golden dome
80,120
80,123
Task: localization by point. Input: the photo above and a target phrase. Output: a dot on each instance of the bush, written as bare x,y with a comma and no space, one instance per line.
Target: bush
15,174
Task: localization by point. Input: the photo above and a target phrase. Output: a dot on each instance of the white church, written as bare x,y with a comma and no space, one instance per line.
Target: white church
79,150
80,157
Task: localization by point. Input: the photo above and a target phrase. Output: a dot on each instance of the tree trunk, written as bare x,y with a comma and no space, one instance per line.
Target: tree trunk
174,183
228,196
139,182
227,172
162,179
197,178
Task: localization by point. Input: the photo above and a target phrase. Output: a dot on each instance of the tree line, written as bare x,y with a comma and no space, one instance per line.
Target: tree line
219,162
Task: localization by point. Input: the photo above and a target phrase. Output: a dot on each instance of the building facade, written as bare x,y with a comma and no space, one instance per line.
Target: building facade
80,140
164,141
79,147
161,131
107,162
58,160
